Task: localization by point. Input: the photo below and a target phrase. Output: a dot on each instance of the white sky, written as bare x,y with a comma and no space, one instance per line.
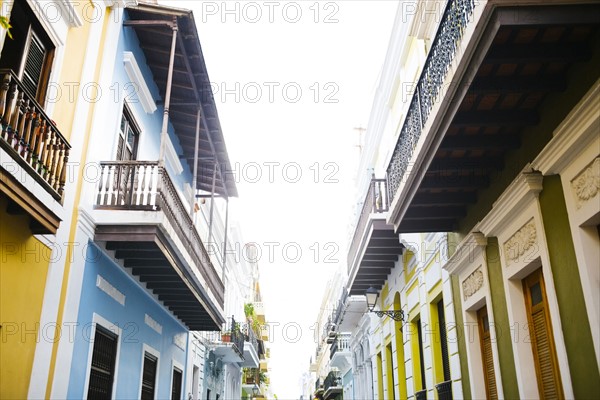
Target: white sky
340,59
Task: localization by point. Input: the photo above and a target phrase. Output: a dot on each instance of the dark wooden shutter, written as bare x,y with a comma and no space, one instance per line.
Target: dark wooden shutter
34,65
103,364
176,387
542,340
486,354
443,340
149,377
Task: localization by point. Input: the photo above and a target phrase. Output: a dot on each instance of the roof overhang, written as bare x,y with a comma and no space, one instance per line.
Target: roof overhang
191,89
519,75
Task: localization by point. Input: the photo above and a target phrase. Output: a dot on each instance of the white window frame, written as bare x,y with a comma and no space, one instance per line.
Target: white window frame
146,348
113,327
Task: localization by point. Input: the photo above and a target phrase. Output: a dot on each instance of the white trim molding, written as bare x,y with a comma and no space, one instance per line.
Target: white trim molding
121,3
135,75
152,323
69,14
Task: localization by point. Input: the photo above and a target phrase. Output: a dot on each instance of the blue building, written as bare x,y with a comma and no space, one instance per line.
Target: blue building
141,277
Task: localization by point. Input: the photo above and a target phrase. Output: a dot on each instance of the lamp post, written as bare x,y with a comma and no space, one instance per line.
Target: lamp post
372,294
255,390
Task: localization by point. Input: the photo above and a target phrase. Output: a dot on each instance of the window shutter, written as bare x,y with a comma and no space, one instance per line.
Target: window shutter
149,377
34,65
176,389
487,355
103,364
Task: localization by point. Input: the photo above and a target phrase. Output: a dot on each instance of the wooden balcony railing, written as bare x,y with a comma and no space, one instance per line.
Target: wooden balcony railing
376,201
443,49
144,185
341,343
31,136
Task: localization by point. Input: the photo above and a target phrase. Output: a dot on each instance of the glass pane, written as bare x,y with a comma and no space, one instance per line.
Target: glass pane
536,294
130,138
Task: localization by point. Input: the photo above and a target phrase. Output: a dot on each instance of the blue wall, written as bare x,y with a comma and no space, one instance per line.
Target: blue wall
130,318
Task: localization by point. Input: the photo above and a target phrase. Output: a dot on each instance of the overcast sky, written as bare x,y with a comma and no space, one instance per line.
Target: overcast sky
292,80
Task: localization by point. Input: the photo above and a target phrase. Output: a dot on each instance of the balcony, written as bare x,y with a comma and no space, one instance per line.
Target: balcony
319,390
259,311
31,144
231,347
349,310
251,349
339,354
332,386
479,111
140,216
444,390
374,248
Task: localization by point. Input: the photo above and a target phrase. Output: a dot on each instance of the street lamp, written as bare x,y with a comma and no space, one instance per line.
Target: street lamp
371,295
255,390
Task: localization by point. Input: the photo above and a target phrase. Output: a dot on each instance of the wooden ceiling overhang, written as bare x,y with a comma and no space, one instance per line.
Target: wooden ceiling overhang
149,255
381,252
525,55
190,90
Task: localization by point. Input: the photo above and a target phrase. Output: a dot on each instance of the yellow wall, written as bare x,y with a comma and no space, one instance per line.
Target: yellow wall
390,371
416,357
24,264
401,381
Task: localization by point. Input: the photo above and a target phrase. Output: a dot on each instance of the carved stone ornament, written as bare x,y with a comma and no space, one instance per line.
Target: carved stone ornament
520,242
473,283
586,185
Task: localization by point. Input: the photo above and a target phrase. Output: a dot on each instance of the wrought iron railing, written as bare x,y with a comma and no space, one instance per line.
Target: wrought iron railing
340,306
444,390
332,380
250,337
237,337
376,201
318,385
144,185
31,136
443,49
341,343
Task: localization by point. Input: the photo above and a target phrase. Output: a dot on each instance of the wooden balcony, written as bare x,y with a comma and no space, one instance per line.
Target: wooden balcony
33,157
374,247
141,217
31,137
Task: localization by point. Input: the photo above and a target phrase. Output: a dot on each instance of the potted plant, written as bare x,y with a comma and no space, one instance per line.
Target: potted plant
226,337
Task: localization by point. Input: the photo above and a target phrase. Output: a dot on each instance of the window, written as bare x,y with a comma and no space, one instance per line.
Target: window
207,394
486,354
29,53
542,341
149,376
380,375
443,340
421,360
390,371
102,369
128,137
176,386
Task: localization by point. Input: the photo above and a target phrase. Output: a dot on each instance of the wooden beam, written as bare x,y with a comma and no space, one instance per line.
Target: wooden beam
442,199
507,84
538,53
438,212
513,118
465,164
455,182
424,226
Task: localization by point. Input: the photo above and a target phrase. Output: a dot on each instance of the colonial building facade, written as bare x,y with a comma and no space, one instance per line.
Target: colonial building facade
480,215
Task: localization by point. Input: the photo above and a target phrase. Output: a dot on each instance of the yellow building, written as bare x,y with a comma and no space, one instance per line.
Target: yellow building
47,70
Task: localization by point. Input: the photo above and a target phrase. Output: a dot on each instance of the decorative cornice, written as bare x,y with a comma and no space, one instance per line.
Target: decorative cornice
586,184
517,195
141,88
521,241
573,134
472,283
467,250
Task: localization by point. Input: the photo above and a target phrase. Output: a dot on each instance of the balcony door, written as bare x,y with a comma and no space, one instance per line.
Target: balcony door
542,340
29,52
125,179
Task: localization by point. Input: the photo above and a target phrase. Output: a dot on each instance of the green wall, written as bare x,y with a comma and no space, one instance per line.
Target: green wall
501,322
460,334
567,283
